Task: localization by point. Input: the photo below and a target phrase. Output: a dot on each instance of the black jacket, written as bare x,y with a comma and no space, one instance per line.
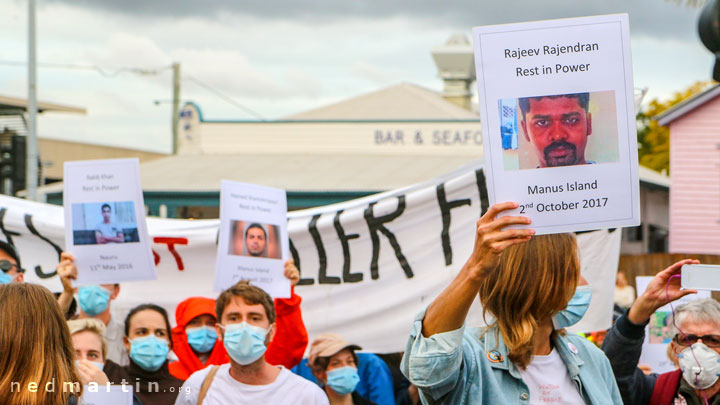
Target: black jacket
622,346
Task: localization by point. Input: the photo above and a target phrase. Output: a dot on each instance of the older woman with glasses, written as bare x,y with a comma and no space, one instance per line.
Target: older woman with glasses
695,327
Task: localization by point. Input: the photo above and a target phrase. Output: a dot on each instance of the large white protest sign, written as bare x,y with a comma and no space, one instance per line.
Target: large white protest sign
95,394
559,121
107,232
658,333
253,240
367,265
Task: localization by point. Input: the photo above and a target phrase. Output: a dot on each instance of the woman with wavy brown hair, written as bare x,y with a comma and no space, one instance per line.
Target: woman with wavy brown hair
532,289
36,351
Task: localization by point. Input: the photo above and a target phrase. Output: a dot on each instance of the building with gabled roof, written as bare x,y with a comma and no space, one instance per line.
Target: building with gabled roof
317,156
695,172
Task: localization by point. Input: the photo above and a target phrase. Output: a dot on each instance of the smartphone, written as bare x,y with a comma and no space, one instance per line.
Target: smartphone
700,277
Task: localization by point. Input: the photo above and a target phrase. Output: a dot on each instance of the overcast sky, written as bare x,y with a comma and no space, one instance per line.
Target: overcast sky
281,57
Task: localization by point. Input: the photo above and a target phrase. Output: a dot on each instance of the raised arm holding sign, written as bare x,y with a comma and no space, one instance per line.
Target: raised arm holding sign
532,288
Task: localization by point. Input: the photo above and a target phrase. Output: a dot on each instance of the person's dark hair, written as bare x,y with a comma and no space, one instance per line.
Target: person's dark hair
105,205
250,294
151,307
321,363
255,225
582,98
12,252
70,314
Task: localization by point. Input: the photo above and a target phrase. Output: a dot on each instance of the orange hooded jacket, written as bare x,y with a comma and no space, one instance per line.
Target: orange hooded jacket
286,348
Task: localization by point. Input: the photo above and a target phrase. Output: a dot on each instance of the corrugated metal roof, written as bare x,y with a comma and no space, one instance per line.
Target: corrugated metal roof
14,103
402,101
306,172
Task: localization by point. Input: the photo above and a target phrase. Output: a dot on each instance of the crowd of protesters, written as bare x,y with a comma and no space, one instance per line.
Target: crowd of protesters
243,347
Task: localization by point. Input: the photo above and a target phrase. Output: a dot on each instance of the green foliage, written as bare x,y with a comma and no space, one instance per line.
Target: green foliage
653,139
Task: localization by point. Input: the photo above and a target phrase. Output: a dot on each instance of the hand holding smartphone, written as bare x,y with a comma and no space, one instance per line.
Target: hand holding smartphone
700,277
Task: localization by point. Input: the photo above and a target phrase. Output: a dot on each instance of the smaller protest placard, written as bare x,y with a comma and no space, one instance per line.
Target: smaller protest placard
105,225
557,106
94,394
253,243
658,333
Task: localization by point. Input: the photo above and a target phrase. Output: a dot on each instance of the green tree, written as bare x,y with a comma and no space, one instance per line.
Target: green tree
653,139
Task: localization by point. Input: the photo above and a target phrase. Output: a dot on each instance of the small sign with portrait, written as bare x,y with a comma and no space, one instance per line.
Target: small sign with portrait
557,106
105,225
253,243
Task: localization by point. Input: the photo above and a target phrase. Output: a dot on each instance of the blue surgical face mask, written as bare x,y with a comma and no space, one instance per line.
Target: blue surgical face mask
6,278
101,366
93,299
201,339
149,352
244,343
343,380
576,308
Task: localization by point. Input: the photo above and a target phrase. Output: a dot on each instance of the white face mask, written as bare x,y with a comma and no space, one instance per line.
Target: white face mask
700,365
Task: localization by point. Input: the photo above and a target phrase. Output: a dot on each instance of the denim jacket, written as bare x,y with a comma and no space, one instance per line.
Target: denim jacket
460,367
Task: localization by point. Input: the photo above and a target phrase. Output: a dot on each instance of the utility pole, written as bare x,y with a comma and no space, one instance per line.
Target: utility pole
175,106
31,175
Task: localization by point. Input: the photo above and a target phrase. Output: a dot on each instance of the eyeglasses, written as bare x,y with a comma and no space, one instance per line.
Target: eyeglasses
689,340
7,265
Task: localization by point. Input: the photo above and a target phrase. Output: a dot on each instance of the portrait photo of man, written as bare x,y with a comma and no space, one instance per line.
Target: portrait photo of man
559,130
254,240
107,231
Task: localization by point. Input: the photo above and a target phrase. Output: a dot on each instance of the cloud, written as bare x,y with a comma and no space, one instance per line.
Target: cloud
283,57
230,71
659,18
123,49
372,73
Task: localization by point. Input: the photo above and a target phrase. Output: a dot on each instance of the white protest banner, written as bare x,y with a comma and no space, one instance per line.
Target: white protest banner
559,122
367,265
106,213
253,242
597,259
658,333
94,394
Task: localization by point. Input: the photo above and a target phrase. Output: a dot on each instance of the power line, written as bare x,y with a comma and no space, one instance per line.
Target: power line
140,71
221,95
103,71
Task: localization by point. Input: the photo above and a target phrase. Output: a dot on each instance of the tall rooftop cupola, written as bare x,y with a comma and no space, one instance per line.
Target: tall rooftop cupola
456,67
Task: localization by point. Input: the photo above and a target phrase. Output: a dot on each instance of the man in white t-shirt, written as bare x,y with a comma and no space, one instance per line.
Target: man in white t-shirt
247,325
106,231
